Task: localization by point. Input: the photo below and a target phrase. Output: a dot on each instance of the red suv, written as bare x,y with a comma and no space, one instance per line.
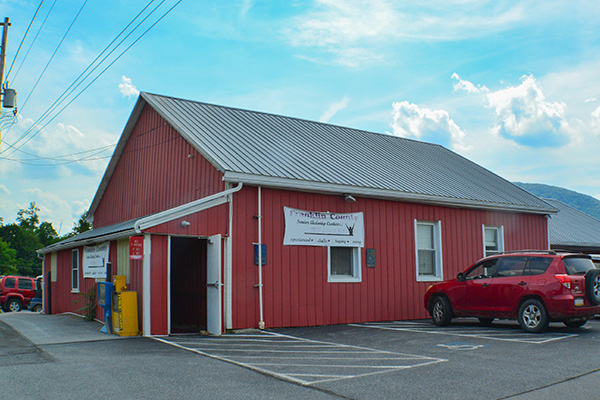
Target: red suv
16,292
533,287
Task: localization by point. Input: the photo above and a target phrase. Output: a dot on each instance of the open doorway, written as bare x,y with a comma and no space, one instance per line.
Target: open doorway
188,284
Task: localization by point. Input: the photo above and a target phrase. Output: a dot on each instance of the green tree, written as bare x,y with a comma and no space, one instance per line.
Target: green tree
25,242
8,260
82,225
47,234
28,218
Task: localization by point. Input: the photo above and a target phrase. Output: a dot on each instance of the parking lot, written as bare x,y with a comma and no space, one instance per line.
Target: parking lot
376,360
402,359
303,361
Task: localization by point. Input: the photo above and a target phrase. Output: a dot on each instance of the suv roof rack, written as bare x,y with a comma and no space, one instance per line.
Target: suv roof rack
552,252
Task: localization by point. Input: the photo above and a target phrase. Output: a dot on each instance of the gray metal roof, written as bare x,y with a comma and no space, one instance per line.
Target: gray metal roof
260,144
111,232
571,227
270,150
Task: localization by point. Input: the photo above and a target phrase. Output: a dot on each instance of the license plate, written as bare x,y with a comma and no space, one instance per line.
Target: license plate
579,301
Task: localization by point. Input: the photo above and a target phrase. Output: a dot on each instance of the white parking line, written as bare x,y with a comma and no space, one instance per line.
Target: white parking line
279,355
474,332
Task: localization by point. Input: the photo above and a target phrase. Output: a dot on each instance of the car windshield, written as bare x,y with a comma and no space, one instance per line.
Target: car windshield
578,265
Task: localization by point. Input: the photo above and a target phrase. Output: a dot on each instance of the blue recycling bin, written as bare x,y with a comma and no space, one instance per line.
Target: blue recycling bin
105,296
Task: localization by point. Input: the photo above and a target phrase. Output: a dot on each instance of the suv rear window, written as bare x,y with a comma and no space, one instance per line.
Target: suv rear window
578,265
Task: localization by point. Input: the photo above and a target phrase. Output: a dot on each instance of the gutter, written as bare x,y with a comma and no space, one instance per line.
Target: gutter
185,209
385,194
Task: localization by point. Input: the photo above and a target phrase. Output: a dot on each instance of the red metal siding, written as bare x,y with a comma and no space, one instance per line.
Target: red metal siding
63,300
296,291
157,170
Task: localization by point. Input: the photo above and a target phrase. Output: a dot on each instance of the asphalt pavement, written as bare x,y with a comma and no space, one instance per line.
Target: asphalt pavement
65,357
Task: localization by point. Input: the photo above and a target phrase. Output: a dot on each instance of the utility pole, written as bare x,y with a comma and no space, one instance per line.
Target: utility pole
7,95
5,26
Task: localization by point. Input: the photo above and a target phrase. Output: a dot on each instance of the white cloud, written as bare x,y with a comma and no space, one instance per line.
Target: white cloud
246,6
4,190
70,148
345,27
467,86
53,208
435,126
596,121
333,109
127,88
524,116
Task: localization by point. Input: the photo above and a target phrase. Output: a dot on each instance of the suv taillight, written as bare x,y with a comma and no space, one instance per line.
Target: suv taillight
564,279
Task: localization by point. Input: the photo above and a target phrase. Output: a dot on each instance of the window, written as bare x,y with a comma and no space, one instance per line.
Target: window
511,266
25,284
493,240
538,265
75,271
485,269
9,283
428,242
343,264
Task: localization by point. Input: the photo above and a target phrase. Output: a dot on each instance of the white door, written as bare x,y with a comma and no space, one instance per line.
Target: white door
213,286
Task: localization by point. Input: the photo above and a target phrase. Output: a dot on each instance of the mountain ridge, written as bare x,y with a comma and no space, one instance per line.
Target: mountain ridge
579,201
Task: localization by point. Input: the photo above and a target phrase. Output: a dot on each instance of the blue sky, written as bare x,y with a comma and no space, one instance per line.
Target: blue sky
511,85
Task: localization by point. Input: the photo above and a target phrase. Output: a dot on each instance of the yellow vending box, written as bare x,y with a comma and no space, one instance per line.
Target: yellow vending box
125,313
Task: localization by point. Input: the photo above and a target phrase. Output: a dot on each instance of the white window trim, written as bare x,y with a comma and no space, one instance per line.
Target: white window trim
500,229
356,264
437,243
75,289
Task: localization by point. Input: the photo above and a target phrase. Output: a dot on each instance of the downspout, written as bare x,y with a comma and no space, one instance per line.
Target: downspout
261,322
548,217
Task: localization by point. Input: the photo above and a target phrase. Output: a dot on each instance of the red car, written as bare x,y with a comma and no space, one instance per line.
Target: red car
16,292
533,287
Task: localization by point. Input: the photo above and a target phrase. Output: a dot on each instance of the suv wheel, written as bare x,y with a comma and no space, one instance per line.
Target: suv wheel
533,316
37,308
441,312
592,286
13,305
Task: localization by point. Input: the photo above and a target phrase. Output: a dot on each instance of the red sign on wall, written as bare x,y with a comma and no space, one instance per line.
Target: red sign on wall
136,247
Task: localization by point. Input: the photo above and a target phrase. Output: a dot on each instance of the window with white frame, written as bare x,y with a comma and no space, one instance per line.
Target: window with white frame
428,242
493,240
343,264
75,271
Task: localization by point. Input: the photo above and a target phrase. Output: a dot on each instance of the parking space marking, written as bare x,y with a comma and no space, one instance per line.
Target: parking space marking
500,333
298,360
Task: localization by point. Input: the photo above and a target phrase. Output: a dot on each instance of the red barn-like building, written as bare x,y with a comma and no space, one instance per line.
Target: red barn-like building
353,225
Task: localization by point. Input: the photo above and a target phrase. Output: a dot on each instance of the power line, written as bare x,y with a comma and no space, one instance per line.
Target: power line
100,74
101,149
33,41
64,95
53,54
23,40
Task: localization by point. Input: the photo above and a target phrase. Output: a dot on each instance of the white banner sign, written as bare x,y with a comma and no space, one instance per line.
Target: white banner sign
94,260
313,228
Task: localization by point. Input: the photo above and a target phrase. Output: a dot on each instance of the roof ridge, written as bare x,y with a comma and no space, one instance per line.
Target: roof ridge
291,118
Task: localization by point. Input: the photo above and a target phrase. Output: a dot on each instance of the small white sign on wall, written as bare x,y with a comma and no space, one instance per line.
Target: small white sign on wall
315,228
94,260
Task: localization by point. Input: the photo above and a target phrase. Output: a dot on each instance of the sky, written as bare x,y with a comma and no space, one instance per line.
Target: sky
511,85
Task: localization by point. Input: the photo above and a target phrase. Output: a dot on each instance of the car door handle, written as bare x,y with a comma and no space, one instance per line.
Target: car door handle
522,283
